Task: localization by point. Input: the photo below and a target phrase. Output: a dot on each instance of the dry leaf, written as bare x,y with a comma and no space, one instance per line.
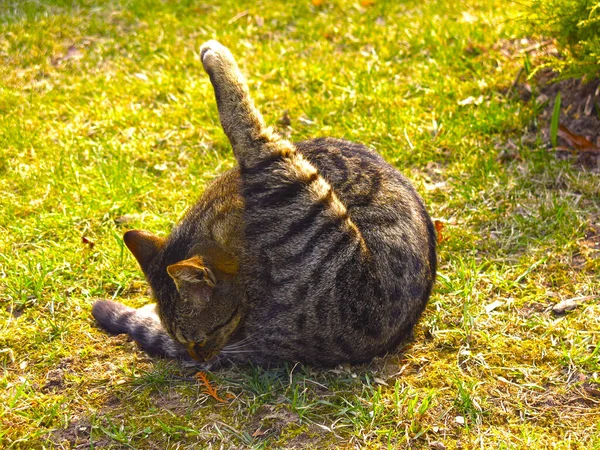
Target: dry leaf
576,141
316,2
258,433
439,228
471,101
367,3
87,241
492,306
201,376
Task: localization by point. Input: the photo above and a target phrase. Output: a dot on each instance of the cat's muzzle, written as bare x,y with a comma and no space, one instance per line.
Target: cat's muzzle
199,352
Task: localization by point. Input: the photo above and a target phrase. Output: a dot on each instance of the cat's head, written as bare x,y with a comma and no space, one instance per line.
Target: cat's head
185,291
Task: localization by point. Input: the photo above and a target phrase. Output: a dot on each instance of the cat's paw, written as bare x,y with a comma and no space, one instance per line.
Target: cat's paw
216,57
108,314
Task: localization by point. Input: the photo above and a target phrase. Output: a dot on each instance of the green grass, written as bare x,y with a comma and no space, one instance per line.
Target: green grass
574,25
122,132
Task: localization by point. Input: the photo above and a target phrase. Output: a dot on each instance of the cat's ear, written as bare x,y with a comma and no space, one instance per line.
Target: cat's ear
144,246
192,273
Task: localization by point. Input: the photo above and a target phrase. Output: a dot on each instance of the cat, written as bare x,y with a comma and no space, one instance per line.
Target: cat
316,252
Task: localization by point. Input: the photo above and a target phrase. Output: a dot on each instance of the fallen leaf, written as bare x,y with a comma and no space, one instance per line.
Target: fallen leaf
471,101
258,433
492,306
201,376
576,141
87,241
439,228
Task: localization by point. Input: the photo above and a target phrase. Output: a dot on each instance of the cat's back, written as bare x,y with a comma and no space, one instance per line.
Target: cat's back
380,200
342,292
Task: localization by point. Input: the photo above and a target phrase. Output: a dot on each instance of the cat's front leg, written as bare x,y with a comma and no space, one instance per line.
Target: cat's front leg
143,325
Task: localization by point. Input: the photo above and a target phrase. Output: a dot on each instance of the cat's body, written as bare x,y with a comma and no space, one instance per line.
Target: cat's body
328,252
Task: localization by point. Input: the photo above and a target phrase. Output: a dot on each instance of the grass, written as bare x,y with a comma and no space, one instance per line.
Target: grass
107,123
575,27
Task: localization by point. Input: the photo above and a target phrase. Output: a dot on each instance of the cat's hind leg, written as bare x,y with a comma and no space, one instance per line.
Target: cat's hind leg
242,122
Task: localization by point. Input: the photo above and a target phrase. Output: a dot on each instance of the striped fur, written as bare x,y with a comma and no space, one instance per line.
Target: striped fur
335,251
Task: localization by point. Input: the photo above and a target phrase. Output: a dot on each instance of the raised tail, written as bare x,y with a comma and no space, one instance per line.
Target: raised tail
272,169
242,122
143,325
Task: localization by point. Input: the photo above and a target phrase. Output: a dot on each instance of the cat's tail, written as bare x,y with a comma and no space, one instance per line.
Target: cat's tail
251,139
143,325
274,173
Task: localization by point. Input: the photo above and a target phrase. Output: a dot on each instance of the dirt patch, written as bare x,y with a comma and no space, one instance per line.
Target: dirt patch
309,439
57,378
591,243
77,436
579,113
270,421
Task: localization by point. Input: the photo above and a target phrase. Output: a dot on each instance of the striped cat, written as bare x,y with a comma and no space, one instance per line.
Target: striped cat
318,252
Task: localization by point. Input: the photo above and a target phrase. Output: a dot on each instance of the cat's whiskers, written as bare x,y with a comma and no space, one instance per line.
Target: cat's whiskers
239,345
236,352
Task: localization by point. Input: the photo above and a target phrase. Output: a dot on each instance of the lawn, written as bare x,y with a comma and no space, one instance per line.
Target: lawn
108,123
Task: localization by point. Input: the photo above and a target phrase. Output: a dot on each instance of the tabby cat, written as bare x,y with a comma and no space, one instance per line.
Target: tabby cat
318,252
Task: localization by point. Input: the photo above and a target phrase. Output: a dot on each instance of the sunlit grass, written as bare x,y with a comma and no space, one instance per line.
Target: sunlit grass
108,122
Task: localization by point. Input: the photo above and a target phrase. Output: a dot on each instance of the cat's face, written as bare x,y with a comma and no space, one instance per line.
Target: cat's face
185,293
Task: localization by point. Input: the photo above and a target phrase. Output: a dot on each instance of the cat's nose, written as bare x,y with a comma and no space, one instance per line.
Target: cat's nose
194,350
199,353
